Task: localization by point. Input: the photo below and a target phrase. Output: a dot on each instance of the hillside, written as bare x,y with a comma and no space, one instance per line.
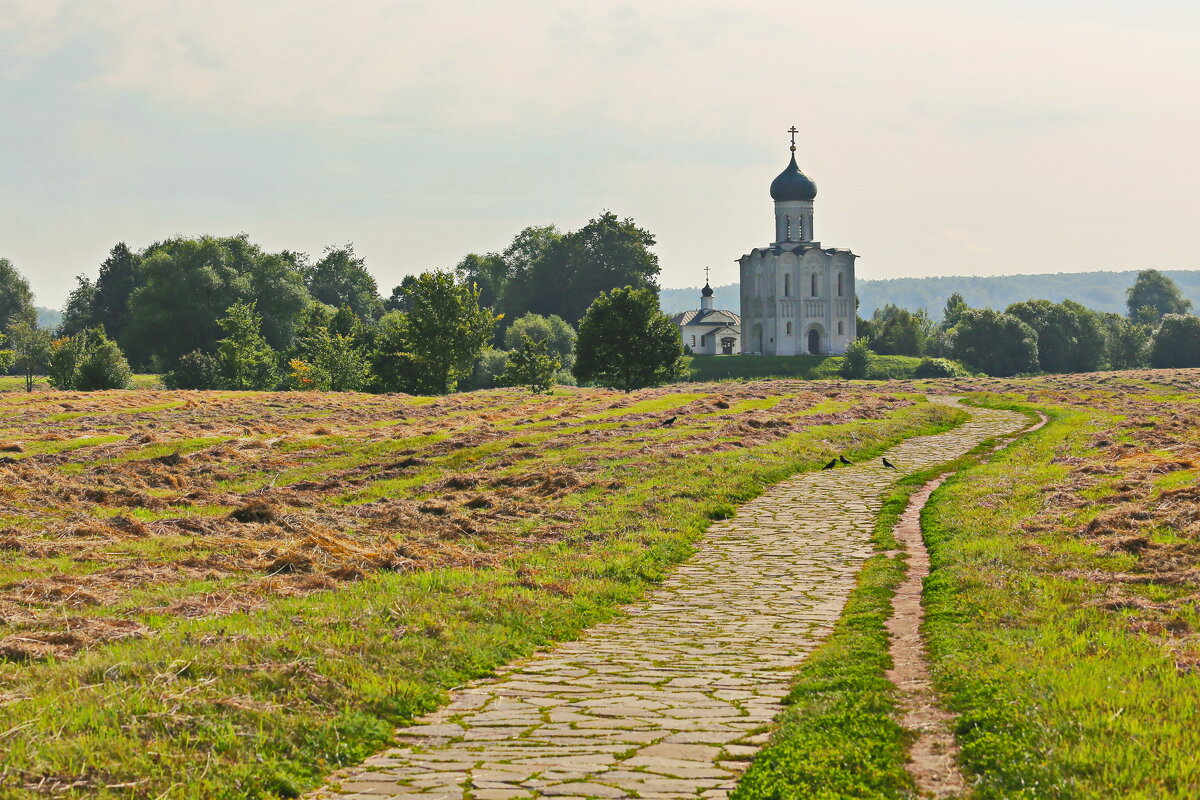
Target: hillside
1102,291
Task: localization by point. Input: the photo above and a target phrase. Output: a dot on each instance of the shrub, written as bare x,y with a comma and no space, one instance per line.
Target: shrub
938,368
1177,342
88,361
857,360
532,365
997,344
194,370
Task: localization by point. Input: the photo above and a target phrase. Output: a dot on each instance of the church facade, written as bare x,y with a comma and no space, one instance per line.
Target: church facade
797,296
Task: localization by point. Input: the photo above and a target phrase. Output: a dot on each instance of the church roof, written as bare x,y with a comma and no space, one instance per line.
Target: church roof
707,316
792,184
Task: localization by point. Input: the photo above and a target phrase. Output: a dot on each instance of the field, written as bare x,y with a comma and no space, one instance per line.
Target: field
228,595
720,368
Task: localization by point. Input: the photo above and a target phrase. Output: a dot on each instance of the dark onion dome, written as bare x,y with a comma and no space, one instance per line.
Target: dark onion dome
792,184
706,291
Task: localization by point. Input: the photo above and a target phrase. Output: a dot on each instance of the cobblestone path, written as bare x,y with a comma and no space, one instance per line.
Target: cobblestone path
672,699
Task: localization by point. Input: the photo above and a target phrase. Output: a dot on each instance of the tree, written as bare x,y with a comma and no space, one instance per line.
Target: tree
1151,289
194,370
552,331
31,350
120,276
487,272
244,359
88,361
1126,342
952,313
532,364
1070,337
340,279
1177,342
16,299
899,332
572,270
857,360
995,343
444,332
189,284
626,341
80,312
328,361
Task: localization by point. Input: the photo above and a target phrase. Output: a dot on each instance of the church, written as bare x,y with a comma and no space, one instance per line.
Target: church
797,296
709,331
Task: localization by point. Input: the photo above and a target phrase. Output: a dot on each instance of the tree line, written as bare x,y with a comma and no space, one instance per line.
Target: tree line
223,313
1158,330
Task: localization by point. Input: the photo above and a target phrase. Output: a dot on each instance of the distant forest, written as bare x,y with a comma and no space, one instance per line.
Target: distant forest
1100,291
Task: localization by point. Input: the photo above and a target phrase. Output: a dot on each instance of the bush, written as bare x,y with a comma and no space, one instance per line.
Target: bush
533,365
1177,342
488,372
626,342
994,343
857,360
195,370
88,361
938,368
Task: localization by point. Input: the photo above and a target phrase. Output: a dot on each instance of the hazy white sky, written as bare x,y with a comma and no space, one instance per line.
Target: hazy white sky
988,137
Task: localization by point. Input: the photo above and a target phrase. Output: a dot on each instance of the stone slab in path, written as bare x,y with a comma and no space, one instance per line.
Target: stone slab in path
672,699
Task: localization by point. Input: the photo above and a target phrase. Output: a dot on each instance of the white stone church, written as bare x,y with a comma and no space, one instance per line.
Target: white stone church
797,296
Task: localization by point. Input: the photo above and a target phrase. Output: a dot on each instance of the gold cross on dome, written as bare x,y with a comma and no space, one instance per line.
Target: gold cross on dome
792,130
706,269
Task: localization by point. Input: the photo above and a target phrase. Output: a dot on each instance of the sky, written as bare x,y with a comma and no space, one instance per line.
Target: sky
946,138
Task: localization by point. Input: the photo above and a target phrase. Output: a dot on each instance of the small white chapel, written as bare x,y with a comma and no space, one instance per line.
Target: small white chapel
797,296
709,331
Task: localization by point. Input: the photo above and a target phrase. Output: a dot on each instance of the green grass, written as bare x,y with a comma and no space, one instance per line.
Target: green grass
16,383
265,704
839,737
720,368
1056,697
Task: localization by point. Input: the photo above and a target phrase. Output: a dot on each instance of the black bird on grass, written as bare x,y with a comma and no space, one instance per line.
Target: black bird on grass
888,464
830,465
666,423
844,461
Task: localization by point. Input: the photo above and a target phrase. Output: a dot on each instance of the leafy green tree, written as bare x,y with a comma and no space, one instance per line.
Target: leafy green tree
194,370
1177,342
952,313
244,358
572,270
340,279
79,314
120,276
88,361
445,331
994,343
188,285
31,350
394,368
331,362
1070,337
899,332
552,331
533,364
16,299
857,360
1127,343
488,272
1151,289
626,341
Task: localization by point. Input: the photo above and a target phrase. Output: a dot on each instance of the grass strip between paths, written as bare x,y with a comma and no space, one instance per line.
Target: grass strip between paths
265,704
839,737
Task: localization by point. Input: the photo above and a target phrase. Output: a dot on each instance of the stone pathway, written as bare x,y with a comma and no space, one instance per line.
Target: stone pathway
673,699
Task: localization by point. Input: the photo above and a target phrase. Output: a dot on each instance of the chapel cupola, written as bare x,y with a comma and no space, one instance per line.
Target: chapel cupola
793,193
706,297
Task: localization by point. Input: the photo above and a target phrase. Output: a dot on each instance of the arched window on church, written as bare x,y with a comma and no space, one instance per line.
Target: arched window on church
841,290
814,284
787,285
789,329
841,328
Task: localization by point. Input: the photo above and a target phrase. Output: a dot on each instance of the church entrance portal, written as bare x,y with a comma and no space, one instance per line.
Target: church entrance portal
814,342
727,346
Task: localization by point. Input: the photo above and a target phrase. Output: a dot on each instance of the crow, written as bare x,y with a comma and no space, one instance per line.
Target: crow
666,423
830,465
843,460
888,464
